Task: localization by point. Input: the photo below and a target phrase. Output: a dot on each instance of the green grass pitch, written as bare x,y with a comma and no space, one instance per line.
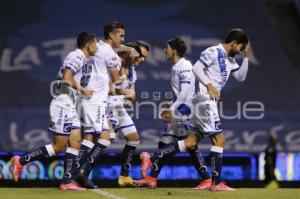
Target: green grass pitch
145,193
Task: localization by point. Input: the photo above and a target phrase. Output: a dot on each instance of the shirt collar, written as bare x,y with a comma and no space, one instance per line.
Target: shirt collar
178,63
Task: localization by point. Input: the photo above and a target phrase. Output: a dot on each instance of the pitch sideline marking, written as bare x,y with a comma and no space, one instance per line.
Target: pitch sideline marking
107,194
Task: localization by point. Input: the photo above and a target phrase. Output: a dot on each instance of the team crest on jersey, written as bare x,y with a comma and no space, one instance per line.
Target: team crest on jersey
67,127
218,125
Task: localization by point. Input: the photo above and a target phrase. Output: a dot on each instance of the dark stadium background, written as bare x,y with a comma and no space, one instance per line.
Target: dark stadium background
36,35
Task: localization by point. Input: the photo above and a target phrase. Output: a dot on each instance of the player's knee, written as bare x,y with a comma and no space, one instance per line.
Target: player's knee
89,137
59,147
75,142
218,140
191,144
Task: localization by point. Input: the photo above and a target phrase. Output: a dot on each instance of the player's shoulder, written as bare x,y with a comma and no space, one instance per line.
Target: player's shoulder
186,64
105,48
211,51
76,55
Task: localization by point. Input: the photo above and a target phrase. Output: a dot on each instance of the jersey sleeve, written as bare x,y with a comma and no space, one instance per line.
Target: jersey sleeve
207,57
233,64
73,62
112,60
132,75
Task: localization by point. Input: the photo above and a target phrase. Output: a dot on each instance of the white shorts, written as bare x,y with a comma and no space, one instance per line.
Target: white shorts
63,118
177,127
92,116
119,118
105,126
205,119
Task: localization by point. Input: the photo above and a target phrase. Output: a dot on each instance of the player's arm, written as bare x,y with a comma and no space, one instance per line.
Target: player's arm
127,92
240,74
165,113
69,78
198,70
185,78
116,78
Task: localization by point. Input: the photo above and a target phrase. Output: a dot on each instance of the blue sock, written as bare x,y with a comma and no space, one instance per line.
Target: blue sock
216,160
70,164
158,157
43,152
199,164
97,151
126,159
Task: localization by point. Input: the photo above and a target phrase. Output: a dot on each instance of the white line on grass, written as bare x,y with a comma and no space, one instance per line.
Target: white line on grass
107,194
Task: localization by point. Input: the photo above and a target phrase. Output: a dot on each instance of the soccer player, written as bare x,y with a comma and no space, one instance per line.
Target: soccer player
65,124
212,70
100,70
119,118
183,87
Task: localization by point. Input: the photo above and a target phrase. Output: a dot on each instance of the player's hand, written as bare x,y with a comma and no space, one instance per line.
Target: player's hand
129,94
213,93
127,103
246,52
166,116
87,92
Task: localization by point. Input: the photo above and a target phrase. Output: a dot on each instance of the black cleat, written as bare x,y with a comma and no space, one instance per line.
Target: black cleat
85,182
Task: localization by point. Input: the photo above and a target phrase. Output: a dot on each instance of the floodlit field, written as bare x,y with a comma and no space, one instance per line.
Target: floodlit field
144,193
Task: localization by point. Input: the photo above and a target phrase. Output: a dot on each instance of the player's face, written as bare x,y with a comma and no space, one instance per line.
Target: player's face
169,52
144,55
117,37
236,49
92,47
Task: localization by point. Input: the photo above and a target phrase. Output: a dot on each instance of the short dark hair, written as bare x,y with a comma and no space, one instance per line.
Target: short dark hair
178,44
111,27
237,35
84,37
143,44
137,45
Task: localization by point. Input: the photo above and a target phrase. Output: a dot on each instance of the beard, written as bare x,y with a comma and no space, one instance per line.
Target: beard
232,53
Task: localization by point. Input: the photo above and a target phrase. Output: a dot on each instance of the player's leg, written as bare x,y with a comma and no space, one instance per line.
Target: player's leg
170,135
71,164
128,129
92,127
216,158
60,130
199,163
98,149
85,112
166,152
71,155
44,152
208,121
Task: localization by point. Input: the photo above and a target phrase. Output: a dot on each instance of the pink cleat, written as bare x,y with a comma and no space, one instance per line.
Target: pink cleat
204,184
145,163
16,168
148,181
71,186
221,187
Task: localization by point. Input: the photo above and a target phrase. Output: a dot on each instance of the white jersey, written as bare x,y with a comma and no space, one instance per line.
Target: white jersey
95,74
182,73
130,80
74,61
218,66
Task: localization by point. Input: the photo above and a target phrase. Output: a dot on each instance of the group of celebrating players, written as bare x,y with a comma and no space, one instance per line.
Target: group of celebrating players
96,83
